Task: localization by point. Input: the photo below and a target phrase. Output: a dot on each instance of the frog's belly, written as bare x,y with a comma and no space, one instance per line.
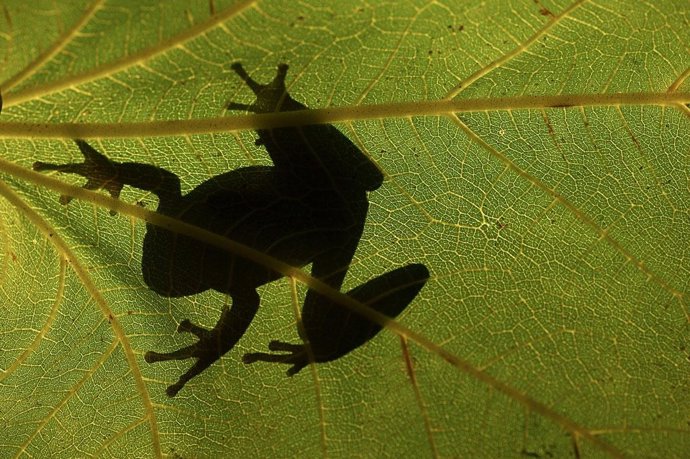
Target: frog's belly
295,226
174,265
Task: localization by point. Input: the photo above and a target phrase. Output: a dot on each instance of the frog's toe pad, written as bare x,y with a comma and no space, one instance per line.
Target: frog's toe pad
152,357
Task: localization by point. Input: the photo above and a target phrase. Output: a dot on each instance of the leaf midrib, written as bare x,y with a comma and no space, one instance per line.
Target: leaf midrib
332,115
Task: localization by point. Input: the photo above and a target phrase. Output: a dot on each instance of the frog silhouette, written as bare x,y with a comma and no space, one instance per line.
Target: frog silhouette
309,207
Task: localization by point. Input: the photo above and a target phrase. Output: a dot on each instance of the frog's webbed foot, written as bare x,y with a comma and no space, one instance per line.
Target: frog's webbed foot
296,355
99,171
213,343
334,331
269,97
207,350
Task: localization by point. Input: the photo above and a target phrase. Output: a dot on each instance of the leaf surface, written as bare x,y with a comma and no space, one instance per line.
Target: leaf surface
537,159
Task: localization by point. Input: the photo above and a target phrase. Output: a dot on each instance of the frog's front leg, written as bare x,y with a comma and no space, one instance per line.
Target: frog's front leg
99,171
103,173
213,343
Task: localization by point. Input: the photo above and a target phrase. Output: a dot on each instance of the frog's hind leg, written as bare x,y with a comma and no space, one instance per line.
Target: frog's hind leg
213,343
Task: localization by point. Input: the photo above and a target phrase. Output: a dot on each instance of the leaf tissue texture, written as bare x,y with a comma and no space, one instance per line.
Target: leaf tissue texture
536,158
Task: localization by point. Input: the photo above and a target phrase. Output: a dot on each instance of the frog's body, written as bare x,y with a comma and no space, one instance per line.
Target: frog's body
309,207
261,207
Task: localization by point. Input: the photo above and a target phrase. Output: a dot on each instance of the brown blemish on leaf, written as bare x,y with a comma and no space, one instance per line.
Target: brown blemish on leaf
634,139
8,18
549,127
409,367
543,10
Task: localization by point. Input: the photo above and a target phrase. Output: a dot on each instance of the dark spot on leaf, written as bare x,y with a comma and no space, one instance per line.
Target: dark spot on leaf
8,18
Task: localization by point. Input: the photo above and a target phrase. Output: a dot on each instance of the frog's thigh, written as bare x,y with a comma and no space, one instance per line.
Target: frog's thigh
173,265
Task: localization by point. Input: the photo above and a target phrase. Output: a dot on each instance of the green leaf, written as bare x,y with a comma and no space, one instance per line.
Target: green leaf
537,159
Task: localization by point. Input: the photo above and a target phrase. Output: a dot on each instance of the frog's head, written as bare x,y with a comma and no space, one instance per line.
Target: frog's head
337,154
270,97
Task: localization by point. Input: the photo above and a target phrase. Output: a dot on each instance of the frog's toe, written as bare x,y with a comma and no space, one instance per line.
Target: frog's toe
296,367
251,357
282,346
296,355
188,327
237,106
297,360
196,369
180,354
205,354
199,366
206,348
